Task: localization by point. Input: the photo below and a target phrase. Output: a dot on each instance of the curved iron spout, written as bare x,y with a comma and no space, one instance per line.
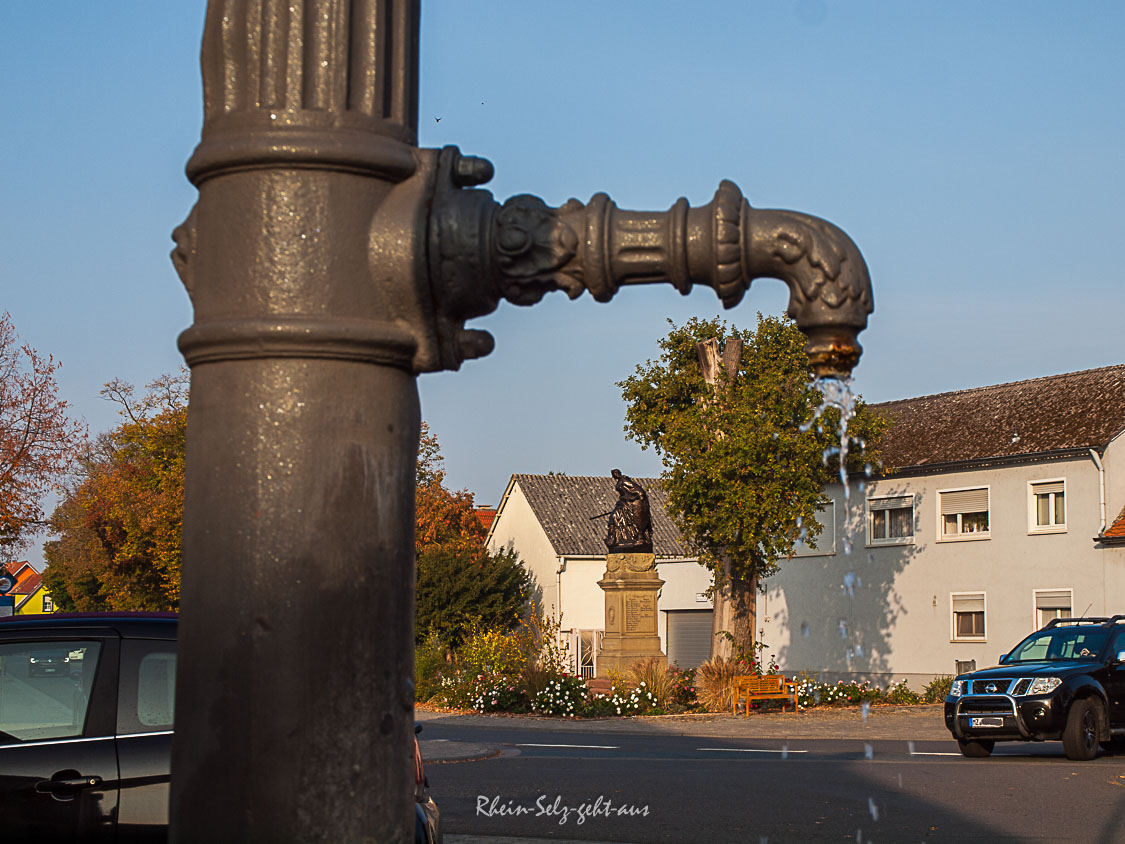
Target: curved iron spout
524,249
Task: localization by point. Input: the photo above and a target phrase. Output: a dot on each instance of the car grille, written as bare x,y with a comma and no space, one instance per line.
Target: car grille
992,705
999,687
1002,687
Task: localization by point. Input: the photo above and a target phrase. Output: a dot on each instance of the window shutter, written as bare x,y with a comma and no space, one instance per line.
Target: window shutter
968,603
890,503
1043,489
964,501
1058,599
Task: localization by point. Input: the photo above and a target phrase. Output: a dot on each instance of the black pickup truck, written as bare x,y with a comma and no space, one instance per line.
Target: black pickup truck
1065,682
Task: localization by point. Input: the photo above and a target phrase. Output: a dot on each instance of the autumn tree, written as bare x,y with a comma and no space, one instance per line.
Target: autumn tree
119,528
458,580
743,470
37,438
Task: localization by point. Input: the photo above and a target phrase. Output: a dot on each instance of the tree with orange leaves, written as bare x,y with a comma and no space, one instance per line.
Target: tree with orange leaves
119,529
458,580
37,438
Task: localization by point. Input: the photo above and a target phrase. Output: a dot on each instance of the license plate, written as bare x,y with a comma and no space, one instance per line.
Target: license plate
986,722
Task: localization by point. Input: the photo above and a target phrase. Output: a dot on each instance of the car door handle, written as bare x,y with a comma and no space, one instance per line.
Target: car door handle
68,786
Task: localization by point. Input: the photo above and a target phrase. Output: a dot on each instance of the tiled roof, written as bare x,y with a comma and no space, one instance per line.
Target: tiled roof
22,570
1115,533
28,585
564,505
485,515
1075,410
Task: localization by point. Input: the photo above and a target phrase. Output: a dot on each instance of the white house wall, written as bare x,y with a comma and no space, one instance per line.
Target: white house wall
516,525
884,611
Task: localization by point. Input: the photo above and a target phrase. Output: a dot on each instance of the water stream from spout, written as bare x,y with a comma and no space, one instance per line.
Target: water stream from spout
837,393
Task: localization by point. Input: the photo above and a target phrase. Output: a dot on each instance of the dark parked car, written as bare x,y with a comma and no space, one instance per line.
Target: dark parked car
1065,682
85,752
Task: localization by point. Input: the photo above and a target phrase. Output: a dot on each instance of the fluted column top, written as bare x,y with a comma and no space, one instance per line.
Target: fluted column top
330,83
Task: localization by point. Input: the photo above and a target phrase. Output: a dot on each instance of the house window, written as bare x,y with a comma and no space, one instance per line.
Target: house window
964,513
48,604
968,616
1052,603
1047,506
826,541
890,520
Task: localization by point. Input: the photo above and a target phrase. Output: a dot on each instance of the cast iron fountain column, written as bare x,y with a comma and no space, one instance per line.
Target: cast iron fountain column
329,261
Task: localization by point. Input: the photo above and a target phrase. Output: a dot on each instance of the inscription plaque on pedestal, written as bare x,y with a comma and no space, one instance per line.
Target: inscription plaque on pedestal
640,613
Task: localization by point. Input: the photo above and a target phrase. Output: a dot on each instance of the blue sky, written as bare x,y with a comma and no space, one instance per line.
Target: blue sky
972,150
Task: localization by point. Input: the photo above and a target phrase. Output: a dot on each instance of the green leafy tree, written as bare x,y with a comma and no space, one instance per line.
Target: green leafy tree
459,582
460,586
744,481
119,527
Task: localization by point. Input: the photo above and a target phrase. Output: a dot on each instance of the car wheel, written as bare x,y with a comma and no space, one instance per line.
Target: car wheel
976,748
1080,737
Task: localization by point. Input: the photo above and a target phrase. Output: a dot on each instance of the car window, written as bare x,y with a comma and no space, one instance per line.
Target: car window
1033,649
1061,643
146,699
45,689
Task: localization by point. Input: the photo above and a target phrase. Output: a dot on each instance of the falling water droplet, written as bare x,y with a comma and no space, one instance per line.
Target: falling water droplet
859,836
784,751
843,628
776,435
859,651
800,521
868,469
763,839
910,747
900,780
862,486
866,709
849,583
868,752
847,545
805,629
871,807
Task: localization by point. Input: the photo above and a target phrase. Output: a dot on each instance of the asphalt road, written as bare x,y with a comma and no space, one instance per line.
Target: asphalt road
816,777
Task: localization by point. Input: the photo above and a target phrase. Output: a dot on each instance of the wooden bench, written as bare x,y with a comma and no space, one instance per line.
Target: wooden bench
769,687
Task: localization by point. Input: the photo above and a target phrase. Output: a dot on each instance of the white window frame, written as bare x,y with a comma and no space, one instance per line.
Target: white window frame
1038,622
953,637
1032,526
891,540
826,542
942,536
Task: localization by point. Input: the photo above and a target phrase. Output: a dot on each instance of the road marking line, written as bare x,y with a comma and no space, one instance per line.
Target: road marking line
579,746
931,753
748,750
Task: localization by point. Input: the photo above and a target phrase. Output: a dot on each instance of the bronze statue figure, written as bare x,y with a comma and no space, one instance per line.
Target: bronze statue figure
630,524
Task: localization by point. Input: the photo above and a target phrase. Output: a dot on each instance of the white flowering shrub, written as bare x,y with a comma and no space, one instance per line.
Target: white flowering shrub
565,696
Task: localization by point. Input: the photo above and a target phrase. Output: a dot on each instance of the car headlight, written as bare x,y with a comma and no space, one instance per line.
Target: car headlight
1044,685
957,689
33,660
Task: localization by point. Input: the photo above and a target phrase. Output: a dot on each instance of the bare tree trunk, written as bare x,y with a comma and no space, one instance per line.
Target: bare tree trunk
736,613
735,605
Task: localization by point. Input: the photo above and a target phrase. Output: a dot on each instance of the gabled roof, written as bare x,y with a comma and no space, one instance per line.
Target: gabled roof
564,505
28,585
1074,411
21,570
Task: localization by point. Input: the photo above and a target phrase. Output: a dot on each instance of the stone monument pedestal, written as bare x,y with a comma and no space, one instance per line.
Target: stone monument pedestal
630,584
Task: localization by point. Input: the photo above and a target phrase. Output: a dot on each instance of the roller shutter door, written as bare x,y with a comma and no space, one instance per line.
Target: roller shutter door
689,637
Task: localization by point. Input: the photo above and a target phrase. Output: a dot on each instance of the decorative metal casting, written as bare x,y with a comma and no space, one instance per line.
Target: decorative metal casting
328,261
